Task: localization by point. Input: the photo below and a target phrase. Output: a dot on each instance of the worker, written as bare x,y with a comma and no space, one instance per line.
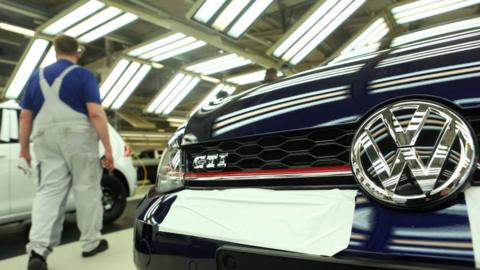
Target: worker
270,75
61,110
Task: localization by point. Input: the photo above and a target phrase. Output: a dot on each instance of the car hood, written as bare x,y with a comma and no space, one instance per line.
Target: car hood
332,95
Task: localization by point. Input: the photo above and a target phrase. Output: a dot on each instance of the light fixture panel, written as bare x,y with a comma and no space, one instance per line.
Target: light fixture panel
124,79
166,47
93,22
230,17
131,86
165,92
16,29
108,27
73,17
322,20
218,64
113,77
29,62
421,9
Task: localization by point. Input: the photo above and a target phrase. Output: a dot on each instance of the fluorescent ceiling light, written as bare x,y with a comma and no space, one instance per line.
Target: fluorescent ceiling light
229,14
178,51
181,95
164,93
232,17
248,78
174,45
316,28
26,67
173,93
207,10
176,120
213,95
17,29
166,47
142,49
421,9
94,21
73,17
217,60
436,31
218,64
176,125
176,91
227,66
367,41
49,58
121,83
210,79
131,86
251,77
325,32
112,78
108,27
247,19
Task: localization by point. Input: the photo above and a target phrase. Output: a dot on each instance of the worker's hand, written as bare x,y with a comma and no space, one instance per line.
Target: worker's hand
107,161
26,155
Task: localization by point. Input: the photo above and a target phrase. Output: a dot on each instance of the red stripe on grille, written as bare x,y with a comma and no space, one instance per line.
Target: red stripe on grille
324,169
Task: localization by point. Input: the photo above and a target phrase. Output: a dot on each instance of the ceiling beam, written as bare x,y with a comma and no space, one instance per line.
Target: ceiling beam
8,62
166,20
135,120
14,6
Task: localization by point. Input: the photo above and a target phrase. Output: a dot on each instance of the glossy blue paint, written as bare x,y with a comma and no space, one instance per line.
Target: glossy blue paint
358,103
440,237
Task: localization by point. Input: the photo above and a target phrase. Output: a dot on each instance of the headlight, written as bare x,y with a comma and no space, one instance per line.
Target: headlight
170,170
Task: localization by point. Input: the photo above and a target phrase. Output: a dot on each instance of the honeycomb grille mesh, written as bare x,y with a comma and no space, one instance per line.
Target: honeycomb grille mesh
299,149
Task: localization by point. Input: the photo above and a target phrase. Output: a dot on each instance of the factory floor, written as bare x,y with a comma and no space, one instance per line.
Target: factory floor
119,256
68,255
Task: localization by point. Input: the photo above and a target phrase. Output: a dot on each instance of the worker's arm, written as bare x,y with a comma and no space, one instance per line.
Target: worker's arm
26,123
99,121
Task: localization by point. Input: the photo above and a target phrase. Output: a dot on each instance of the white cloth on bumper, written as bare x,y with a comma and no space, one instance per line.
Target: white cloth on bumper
315,222
472,197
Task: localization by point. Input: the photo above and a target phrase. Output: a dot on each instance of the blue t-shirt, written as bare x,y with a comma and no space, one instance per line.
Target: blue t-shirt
79,86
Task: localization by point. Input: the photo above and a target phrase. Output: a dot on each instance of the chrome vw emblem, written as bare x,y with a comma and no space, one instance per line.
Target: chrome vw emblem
413,154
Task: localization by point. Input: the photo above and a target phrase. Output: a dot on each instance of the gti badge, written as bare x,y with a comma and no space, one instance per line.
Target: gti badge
210,161
413,155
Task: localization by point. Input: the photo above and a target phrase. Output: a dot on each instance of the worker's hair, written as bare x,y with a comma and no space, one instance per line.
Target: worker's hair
66,45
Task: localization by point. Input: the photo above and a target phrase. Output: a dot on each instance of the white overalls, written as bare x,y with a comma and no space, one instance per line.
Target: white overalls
66,147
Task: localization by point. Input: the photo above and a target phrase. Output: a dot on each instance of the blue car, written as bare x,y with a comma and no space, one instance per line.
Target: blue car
367,163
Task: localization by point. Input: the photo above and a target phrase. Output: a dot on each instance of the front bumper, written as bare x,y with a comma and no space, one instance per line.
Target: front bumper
434,240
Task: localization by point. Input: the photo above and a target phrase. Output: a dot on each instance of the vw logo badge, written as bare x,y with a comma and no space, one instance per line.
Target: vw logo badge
413,155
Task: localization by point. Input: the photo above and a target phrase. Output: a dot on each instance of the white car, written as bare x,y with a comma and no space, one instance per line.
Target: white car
18,189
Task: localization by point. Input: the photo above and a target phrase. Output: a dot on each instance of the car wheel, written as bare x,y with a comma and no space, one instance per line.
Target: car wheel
114,198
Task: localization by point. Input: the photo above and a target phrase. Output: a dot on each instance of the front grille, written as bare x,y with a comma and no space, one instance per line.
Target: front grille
291,150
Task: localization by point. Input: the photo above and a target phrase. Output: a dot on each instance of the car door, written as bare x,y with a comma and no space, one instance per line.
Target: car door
4,166
22,187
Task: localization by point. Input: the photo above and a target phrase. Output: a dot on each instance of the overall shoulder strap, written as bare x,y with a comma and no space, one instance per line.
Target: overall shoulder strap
44,86
41,74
